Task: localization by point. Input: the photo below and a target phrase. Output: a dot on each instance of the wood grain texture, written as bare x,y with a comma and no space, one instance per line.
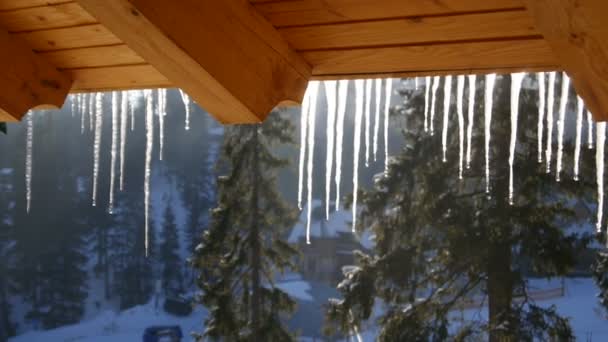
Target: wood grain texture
488,26
9,5
47,17
93,57
69,38
27,80
578,33
224,54
429,59
117,78
310,12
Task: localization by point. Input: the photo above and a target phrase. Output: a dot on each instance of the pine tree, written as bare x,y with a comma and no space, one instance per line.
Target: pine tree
242,248
441,241
169,258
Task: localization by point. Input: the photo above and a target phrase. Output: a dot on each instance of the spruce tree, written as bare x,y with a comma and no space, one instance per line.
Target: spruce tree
242,248
440,241
171,263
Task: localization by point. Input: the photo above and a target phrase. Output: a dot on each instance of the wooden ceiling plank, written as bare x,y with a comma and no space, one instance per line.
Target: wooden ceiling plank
69,38
44,18
498,25
117,78
312,12
428,58
9,5
93,57
27,80
223,53
577,31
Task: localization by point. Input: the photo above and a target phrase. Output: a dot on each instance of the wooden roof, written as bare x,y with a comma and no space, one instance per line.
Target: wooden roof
239,59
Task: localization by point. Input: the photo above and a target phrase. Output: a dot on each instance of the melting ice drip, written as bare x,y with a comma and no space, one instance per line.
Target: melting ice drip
516,81
489,103
599,165
29,144
113,150
436,81
148,163
447,96
427,89
471,112
330,94
387,108
342,99
162,111
368,114
579,128
541,114
560,124
378,91
97,141
550,102
459,111
314,90
124,103
186,100
303,132
589,130
359,94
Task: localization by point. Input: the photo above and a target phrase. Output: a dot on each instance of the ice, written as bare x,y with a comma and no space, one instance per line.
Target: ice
29,144
342,98
541,114
459,100
427,89
550,102
378,89
124,117
92,115
387,109
186,100
447,96
471,112
368,114
579,128
97,141
133,104
314,91
82,113
560,123
436,81
162,111
359,84
148,163
489,103
590,130
416,83
113,150
303,132
599,165
516,81
330,94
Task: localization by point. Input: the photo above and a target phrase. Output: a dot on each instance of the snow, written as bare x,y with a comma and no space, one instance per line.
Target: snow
298,289
126,326
337,223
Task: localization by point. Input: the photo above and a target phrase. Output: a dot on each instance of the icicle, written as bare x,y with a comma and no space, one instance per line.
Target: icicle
447,96
186,100
459,100
415,83
579,128
516,80
342,100
303,131
368,114
560,123
377,116
29,144
330,94
113,149
133,98
387,108
92,115
436,81
359,85
599,165
73,104
162,110
97,140
489,103
147,172
550,102
590,130
427,87
541,114
472,79
124,115
82,114
314,90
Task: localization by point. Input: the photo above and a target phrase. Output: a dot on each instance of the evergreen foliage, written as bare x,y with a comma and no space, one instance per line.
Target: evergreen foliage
171,263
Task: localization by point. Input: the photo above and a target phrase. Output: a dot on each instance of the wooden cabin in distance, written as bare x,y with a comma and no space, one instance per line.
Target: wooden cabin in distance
240,58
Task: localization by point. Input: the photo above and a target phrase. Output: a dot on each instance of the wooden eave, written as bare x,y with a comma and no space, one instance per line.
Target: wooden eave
238,59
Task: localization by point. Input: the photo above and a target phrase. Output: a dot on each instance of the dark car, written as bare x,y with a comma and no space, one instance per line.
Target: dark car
169,333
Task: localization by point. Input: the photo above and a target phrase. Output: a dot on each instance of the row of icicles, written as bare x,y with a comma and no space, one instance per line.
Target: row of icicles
336,93
124,104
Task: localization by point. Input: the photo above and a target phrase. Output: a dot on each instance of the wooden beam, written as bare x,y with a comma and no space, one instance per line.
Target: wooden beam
223,53
577,31
27,80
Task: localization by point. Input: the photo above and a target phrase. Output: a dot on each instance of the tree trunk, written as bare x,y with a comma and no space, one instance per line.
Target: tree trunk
500,291
255,243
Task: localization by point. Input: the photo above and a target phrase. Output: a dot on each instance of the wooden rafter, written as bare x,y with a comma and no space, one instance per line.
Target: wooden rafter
578,34
222,53
28,80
